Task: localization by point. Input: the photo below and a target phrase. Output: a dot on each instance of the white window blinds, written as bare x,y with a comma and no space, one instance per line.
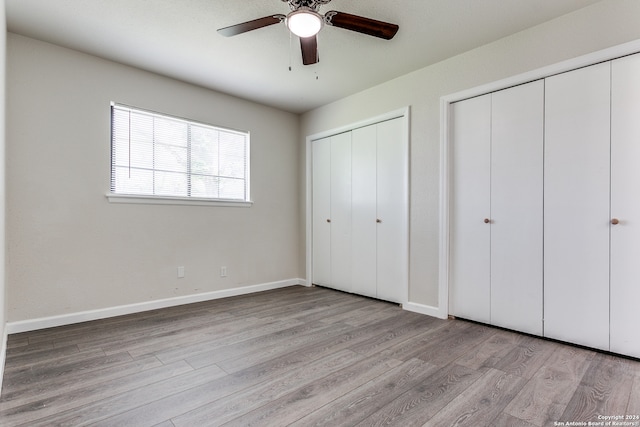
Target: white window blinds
158,155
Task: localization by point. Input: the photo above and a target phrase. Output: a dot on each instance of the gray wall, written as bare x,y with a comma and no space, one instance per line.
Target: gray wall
70,250
3,315
596,27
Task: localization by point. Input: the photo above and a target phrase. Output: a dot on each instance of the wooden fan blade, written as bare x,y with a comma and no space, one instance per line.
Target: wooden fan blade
234,30
309,46
363,25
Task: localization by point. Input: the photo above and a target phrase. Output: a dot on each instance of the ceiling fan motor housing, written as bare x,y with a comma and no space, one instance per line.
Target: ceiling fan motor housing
311,4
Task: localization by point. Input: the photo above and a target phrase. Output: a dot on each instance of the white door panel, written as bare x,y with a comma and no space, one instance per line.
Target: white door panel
321,212
392,214
625,206
470,207
517,133
341,211
576,206
363,183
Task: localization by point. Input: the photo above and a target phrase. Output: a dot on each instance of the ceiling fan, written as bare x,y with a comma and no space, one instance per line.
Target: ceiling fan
305,21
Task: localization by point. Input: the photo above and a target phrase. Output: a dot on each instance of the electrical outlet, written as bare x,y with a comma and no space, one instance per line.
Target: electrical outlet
180,272
223,271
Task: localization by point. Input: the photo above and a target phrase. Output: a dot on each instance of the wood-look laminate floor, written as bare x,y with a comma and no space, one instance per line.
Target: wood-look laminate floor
303,357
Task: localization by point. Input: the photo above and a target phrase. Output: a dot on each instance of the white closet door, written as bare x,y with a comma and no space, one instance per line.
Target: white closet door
341,212
576,206
517,132
392,211
363,195
321,213
470,206
625,206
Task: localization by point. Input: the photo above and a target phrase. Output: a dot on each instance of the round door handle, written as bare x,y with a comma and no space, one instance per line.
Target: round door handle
378,221
328,220
487,220
615,221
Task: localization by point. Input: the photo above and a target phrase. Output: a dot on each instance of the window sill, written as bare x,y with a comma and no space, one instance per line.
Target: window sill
166,200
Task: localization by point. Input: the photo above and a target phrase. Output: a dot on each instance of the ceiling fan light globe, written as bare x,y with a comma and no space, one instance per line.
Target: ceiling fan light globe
304,22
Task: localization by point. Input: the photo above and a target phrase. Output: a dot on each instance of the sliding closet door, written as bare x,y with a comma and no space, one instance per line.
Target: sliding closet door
625,205
517,133
363,183
576,206
470,232
341,212
392,210
321,213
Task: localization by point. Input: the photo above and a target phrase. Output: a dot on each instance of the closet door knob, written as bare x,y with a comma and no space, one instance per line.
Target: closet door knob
615,221
487,220
378,221
328,220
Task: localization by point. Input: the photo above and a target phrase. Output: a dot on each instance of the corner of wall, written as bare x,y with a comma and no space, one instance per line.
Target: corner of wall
3,311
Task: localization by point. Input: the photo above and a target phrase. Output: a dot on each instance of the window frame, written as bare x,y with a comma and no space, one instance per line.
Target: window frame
114,197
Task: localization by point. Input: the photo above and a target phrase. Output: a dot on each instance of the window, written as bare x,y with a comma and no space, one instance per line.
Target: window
164,157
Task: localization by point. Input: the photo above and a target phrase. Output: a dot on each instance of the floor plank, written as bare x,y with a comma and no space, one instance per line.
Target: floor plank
425,399
543,400
232,406
527,357
304,356
73,405
353,407
312,396
491,351
482,402
633,408
604,390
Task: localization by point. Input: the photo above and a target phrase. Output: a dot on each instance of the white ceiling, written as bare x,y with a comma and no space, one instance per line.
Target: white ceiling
178,38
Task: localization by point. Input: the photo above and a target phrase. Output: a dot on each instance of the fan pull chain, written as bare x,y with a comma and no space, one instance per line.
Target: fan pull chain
317,57
289,50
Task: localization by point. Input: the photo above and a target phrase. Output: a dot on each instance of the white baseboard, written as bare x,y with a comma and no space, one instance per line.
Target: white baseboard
425,309
85,316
